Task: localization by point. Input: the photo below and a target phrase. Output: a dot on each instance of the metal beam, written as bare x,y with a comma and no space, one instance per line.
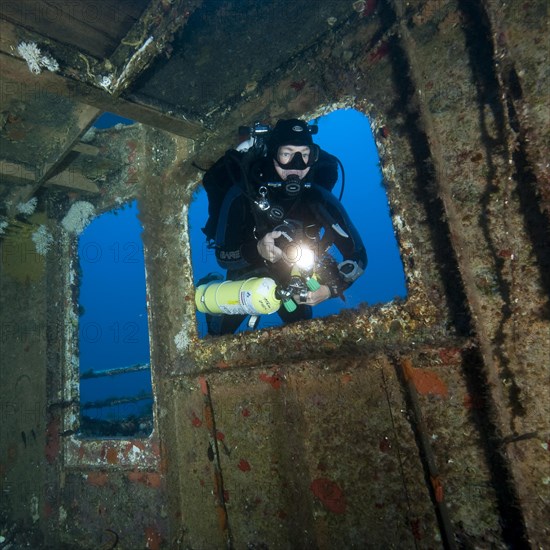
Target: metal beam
15,171
72,179
112,401
82,78
113,372
148,38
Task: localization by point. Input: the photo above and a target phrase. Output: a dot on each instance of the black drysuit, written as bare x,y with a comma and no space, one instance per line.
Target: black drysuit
239,228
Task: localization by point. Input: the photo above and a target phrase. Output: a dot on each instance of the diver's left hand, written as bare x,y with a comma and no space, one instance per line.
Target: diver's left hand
316,297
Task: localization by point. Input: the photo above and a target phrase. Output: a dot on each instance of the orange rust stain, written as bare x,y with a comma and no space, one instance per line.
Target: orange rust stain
346,378
449,355
244,465
81,452
274,381
245,413
112,455
220,436
204,385
438,488
330,494
428,383
97,479
152,538
380,52
152,479
425,382
222,365
163,464
222,518
52,440
407,368
134,476
196,421
208,417
507,253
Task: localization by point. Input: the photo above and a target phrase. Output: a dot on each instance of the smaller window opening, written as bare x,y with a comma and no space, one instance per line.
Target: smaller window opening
108,120
347,134
116,398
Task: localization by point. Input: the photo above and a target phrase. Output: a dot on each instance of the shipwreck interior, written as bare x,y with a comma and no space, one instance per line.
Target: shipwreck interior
418,423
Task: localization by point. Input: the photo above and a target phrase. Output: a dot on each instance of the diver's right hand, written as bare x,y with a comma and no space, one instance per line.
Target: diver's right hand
267,248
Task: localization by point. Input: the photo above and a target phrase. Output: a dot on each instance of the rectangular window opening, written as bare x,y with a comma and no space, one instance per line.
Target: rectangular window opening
116,396
347,135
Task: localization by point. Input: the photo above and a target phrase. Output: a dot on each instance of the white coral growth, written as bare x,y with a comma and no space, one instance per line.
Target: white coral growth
3,225
106,82
42,240
181,340
35,59
28,207
78,217
90,134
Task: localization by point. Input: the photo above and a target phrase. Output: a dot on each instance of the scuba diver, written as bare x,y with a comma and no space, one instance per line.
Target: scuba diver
272,214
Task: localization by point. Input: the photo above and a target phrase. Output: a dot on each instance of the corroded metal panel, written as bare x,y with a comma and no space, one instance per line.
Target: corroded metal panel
315,454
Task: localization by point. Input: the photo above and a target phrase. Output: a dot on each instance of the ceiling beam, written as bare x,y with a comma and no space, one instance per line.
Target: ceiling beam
26,83
148,38
74,180
13,171
70,178
46,168
86,149
92,81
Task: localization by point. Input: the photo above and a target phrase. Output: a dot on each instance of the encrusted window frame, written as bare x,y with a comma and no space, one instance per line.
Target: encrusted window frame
98,452
411,318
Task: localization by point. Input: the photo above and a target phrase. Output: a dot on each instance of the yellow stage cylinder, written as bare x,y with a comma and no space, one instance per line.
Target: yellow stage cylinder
255,296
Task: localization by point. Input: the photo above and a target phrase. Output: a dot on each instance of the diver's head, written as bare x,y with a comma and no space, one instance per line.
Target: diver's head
292,160
292,149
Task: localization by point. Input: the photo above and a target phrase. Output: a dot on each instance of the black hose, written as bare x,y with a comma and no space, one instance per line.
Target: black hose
343,179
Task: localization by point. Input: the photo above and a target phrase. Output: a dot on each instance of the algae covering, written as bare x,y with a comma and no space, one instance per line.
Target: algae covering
24,247
421,423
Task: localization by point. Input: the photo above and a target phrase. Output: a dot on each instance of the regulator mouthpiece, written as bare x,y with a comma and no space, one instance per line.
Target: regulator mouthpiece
293,185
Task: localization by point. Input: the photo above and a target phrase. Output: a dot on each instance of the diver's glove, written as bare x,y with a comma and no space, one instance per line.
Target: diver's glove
267,248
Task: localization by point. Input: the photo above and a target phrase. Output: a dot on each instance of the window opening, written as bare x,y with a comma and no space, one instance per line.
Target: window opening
347,134
115,381
108,120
